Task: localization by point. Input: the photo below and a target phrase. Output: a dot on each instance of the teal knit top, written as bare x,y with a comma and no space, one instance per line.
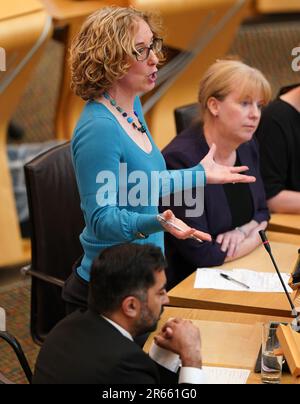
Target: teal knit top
119,194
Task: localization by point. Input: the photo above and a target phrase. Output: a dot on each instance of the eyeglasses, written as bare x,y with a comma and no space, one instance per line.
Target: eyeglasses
142,54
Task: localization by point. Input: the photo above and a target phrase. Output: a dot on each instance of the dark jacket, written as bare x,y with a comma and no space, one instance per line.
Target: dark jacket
185,256
84,348
279,139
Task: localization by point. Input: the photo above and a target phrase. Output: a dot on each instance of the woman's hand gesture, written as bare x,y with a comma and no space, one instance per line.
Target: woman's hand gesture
186,232
219,174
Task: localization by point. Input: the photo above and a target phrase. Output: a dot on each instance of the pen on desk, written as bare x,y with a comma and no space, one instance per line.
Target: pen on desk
228,278
163,220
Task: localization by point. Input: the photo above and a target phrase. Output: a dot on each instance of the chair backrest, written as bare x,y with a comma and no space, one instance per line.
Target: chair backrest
57,221
185,115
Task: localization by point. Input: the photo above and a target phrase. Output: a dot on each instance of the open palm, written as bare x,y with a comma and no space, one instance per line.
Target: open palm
220,174
186,231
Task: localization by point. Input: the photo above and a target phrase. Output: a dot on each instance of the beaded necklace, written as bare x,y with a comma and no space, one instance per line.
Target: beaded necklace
129,119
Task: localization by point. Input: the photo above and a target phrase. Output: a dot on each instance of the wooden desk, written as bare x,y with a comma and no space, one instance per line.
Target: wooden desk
240,333
276,304
284,238
285,223
277,6
66,11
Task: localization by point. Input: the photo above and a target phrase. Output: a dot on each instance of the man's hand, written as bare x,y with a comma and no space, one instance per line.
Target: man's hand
182,337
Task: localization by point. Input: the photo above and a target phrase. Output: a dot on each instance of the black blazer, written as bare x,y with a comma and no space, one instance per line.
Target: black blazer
84,348
185,256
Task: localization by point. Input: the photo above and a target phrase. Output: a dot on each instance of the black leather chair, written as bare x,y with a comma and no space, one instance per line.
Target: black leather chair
56,222
185,116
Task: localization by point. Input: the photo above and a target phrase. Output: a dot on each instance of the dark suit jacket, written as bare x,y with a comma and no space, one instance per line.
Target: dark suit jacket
185,256
84,348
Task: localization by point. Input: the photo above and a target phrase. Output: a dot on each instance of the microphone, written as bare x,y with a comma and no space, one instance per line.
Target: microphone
295,314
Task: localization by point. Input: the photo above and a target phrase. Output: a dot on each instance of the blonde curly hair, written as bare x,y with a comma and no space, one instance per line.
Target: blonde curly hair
102,51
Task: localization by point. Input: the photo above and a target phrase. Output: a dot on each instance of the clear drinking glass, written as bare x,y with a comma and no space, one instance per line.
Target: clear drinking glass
271,364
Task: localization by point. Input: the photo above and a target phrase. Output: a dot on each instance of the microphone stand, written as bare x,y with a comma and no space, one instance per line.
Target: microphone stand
295,314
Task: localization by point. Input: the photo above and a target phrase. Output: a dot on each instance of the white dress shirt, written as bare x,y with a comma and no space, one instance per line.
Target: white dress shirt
167,359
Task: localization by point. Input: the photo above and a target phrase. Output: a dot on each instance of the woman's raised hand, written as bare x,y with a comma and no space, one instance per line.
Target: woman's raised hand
219,174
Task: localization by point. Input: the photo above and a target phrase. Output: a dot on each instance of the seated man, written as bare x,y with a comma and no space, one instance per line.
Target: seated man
126,298
279,138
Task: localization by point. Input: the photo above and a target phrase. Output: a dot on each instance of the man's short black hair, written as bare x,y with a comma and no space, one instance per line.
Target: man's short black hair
120,271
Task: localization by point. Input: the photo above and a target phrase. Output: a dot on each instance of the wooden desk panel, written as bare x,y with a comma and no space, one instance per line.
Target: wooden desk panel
277,6
274,304
64,11
284,238
218,340
254,378
221,348
15,9
212,315
284,222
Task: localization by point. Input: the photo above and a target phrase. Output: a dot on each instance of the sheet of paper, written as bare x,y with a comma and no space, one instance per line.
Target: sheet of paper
215,375
210,278
165,358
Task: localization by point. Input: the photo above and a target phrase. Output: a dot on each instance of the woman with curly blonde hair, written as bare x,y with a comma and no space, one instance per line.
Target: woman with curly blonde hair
114,58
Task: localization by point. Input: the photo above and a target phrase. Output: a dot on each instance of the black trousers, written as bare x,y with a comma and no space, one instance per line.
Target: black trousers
75,291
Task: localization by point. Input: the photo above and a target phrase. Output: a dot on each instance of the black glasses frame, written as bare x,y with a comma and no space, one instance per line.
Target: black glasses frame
156,47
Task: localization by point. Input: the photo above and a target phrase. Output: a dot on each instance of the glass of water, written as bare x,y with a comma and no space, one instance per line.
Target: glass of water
271,364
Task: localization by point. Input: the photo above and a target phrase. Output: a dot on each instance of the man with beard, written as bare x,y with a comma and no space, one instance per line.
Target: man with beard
126,298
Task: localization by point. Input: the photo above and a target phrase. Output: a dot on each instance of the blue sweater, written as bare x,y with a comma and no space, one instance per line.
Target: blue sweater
115,210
